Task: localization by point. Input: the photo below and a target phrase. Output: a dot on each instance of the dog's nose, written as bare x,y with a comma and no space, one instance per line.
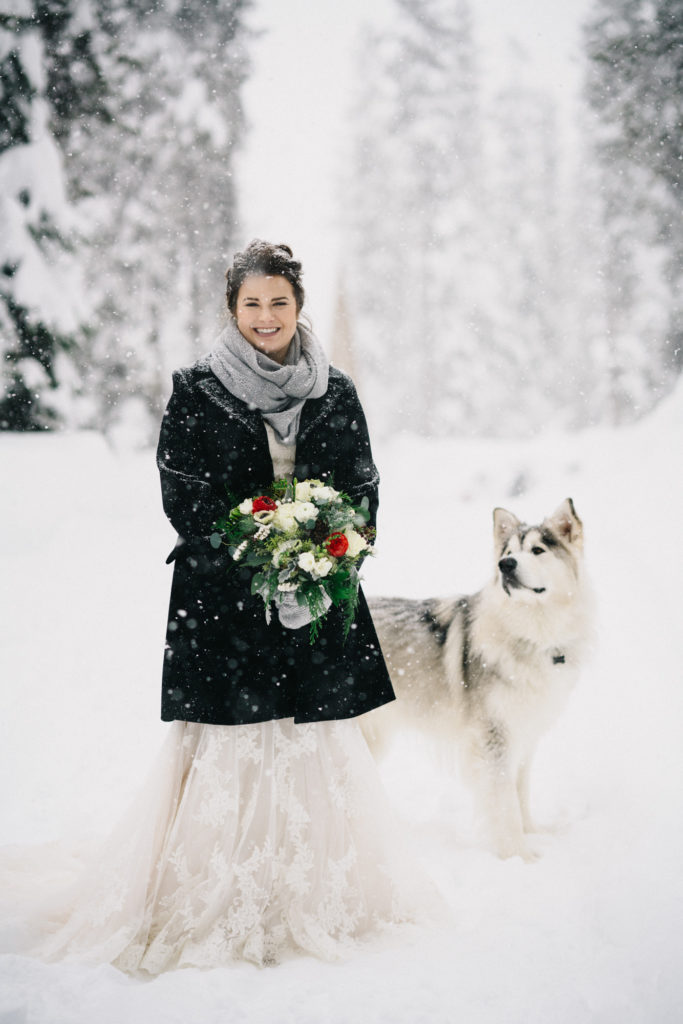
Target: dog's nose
507,565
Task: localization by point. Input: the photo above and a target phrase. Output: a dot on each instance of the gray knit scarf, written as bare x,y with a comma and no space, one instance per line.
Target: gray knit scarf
278,392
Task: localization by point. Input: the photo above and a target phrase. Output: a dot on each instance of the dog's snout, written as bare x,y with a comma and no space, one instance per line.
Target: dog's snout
507,565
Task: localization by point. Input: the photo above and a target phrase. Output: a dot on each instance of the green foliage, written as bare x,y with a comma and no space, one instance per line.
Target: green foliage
281,488
19,409
23,407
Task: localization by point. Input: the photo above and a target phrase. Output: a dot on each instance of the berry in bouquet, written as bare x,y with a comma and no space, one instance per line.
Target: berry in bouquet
305,542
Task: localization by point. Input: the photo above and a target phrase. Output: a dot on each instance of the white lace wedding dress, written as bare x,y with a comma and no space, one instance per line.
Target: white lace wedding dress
248,842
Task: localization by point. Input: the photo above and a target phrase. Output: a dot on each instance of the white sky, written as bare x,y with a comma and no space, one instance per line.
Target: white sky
302,85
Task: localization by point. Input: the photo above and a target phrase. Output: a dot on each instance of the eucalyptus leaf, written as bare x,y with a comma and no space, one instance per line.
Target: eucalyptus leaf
257,583
254,558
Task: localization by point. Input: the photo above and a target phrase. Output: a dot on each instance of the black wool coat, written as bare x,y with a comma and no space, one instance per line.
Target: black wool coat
223,664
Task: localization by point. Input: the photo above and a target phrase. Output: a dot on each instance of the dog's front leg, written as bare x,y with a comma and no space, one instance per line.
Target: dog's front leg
496,782
507,826
523,789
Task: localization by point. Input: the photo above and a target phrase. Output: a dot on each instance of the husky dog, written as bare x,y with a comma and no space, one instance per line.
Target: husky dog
491,671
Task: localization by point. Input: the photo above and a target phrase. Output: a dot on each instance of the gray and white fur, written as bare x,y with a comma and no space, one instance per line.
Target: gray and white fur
491,671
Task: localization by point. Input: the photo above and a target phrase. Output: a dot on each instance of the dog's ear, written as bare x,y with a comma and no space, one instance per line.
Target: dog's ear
504,525
566,524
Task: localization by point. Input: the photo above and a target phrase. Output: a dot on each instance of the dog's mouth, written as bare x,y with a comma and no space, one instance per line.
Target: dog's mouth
511,583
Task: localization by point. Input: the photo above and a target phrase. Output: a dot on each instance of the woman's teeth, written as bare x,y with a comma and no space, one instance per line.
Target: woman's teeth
266,330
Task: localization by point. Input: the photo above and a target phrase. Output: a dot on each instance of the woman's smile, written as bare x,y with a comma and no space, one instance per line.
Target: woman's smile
266,314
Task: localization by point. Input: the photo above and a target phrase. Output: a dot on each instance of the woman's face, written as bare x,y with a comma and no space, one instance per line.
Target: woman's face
266,314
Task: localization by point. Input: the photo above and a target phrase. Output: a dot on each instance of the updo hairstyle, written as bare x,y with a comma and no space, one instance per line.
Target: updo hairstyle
261,257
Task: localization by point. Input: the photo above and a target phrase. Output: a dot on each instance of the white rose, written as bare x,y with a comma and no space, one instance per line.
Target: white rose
322,567
246,506
323,493
284,519
303,490
356,543
306,561
304,510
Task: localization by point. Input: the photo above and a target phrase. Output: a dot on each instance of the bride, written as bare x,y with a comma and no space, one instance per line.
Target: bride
263,829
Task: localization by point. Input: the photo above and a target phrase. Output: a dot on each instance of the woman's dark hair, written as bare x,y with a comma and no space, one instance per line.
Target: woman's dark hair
263,258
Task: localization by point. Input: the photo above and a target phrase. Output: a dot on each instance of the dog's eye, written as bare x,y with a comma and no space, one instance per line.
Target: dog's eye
537,551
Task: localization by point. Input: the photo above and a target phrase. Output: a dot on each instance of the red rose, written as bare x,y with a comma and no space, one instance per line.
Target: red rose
263,504
337,544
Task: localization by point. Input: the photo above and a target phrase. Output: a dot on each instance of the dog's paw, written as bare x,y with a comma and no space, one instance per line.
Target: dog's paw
556,828
526,848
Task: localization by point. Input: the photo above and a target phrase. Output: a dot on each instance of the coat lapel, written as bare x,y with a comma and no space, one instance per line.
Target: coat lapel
233,407
316,409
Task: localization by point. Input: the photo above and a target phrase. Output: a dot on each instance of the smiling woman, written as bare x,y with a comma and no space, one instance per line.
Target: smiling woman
263,830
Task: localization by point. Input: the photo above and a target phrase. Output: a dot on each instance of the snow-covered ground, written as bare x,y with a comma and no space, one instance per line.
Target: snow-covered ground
590,933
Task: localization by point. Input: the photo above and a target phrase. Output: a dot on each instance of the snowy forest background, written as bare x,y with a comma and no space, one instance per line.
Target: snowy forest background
549,286
493,251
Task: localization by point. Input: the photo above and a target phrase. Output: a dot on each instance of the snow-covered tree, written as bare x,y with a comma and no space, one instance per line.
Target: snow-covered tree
43,305
635,86
140,105
163,210
457,269
495,285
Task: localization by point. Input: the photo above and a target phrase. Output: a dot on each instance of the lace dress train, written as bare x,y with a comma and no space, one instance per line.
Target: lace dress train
247,843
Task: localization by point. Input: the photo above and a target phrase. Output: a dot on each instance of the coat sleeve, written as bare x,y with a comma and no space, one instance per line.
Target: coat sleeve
189,501
357,473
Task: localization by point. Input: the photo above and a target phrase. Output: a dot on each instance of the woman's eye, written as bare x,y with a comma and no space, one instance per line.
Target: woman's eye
537,551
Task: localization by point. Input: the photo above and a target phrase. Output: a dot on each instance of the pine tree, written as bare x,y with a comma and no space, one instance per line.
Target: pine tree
42,307
635,85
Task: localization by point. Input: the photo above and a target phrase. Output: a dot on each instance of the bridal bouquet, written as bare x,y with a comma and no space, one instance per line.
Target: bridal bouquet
304,541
